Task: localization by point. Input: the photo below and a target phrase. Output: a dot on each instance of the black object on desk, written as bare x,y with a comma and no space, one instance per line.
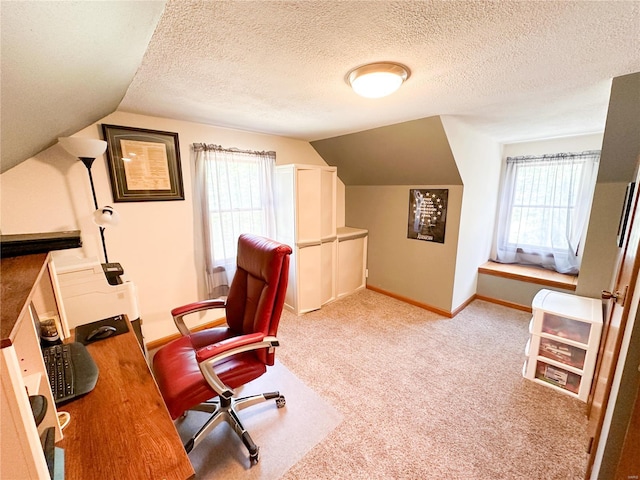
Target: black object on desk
71,371
99,330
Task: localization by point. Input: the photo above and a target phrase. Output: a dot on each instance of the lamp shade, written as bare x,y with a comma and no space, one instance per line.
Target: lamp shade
106,217
377,79
83,147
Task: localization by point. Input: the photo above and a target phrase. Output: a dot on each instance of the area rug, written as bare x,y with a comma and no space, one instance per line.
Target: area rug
284,435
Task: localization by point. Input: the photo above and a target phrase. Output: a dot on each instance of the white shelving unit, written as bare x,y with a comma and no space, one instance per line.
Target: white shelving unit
23,372
306,220
327,262
565,335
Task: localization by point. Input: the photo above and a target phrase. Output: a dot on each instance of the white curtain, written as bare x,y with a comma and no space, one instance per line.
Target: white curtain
544,209
235,190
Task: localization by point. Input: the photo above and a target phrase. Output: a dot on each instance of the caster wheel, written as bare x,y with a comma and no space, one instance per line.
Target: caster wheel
280,401
254,458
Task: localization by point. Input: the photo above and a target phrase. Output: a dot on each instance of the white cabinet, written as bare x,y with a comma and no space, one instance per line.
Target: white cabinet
306,220
352,260
565,335
25,282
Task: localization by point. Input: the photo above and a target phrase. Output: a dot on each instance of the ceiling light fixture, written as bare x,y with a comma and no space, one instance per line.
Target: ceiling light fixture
377,80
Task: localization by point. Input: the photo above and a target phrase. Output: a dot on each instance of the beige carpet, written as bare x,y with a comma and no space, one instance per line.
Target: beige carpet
284,435
420,397
427,397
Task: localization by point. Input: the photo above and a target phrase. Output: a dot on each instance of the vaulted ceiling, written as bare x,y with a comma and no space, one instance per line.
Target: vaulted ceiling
515,70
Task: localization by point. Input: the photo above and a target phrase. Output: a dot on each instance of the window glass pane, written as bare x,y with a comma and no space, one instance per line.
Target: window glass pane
235,199
545,195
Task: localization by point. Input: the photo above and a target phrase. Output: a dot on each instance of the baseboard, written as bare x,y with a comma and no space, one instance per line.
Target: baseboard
463,306
152,345
410,301
453,313
504,303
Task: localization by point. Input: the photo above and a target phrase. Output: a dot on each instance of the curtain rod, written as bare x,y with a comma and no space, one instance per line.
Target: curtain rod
220,148
555,156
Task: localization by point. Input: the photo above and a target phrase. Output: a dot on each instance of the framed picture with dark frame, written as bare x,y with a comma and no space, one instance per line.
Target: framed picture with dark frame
427,214
144,165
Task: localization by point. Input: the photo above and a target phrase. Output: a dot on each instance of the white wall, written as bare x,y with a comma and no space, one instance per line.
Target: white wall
479,161
157,243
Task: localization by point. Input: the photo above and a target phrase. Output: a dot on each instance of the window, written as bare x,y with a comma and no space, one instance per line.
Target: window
544,209
236,196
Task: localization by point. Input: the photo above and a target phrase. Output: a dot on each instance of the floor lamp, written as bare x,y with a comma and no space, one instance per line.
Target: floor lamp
87,150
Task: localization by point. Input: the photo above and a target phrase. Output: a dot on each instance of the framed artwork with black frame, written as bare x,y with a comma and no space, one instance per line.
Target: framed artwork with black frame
144,165
427,214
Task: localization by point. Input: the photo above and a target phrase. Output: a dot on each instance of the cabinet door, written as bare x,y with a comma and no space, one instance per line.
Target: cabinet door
351,267
328,267
309,277
285,205
308,205
328,203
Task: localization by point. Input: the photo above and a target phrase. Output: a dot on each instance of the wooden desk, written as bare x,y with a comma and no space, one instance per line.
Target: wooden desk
122,430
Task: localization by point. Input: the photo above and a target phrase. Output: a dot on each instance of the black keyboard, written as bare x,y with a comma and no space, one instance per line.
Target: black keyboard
71,371
60,370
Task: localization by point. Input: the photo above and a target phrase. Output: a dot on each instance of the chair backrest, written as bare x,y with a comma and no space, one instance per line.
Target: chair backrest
257,292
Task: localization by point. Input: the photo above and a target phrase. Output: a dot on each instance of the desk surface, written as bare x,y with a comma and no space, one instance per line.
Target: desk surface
18,274
122,429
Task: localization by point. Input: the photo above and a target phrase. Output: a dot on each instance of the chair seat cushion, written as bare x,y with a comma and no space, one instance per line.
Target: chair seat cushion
179,378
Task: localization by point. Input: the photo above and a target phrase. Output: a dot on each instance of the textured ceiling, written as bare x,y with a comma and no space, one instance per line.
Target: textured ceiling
515,70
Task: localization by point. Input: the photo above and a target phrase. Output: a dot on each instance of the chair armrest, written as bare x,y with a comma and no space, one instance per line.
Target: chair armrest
209,355
178,313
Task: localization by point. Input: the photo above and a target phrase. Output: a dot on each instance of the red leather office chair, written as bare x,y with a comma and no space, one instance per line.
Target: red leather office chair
198,367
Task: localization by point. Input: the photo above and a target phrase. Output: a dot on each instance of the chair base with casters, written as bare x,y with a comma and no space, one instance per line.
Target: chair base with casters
226,410
200,370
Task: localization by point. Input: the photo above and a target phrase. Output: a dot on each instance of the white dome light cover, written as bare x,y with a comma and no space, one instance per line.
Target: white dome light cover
377,80
106,217
83,147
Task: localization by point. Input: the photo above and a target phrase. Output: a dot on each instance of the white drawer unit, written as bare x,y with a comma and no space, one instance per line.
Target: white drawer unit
565,335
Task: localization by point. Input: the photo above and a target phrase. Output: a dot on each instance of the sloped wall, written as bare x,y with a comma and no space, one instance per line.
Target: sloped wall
378,168
66,65
618,160
381,165
408,153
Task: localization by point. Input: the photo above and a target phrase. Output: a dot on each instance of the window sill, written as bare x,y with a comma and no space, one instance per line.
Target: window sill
530,274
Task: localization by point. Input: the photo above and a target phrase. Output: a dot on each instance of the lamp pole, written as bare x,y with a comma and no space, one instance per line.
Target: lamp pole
87,163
